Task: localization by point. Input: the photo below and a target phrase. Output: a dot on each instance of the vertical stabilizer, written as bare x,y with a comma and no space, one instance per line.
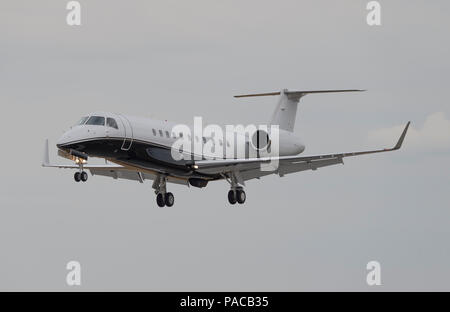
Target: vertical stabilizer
285,111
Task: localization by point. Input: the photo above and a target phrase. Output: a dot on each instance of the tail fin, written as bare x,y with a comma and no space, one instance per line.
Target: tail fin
286,110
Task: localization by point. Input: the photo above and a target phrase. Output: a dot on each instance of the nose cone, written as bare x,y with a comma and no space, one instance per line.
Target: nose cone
74,134
64,139
79,133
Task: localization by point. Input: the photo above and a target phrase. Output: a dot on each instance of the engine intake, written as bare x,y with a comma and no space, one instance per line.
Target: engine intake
260,140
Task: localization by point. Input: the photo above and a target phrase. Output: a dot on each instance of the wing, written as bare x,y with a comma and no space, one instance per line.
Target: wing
250,168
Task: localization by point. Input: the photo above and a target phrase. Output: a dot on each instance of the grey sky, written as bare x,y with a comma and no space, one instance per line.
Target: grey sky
179,59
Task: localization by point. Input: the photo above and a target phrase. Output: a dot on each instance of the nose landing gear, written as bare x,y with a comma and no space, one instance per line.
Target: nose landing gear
80,176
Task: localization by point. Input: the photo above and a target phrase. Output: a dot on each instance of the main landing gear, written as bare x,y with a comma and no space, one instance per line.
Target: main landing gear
163,198
237,193
236,196
166,199
80,176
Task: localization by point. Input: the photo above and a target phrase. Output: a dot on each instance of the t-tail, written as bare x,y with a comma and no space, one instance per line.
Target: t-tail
286,109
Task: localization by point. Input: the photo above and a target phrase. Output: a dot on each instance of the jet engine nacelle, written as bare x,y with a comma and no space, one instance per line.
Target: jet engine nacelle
285,144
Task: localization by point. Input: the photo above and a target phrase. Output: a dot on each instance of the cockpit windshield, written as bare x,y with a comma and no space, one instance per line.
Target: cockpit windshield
96,120
82,121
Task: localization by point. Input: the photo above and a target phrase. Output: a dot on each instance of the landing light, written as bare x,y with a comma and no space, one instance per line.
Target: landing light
80,160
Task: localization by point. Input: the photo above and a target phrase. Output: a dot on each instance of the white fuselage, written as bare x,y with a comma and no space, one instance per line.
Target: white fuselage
131,130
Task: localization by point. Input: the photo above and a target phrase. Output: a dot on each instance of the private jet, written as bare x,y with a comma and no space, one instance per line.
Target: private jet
138,148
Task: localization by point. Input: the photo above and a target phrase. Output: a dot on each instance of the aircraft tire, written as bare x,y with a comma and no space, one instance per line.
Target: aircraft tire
169,199
232,197
84,176
160,200
240,196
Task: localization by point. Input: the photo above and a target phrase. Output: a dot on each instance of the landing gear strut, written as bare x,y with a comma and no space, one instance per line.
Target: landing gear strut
163,198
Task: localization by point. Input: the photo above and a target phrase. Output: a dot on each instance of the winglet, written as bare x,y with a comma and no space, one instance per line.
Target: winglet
46,159
402,137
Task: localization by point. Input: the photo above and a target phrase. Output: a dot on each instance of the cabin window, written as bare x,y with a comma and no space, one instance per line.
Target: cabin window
181,134
167,134
204,140
154,131
160,133
82,121
111,122
96,121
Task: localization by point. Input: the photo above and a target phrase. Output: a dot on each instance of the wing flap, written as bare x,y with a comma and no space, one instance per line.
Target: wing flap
287,168
118,174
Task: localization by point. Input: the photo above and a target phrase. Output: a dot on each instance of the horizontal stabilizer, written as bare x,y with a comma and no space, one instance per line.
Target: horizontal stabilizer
297,93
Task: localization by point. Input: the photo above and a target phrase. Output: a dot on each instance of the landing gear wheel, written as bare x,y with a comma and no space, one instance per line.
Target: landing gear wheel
77,176
84,176
169,199
240,196
160,200
232,197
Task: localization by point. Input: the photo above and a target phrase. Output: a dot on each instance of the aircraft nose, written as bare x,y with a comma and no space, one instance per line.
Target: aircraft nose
64,139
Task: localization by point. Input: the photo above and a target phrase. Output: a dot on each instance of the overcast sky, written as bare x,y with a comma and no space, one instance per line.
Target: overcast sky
178,59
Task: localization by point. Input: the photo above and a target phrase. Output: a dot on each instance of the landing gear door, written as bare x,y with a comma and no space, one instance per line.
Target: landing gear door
127,133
